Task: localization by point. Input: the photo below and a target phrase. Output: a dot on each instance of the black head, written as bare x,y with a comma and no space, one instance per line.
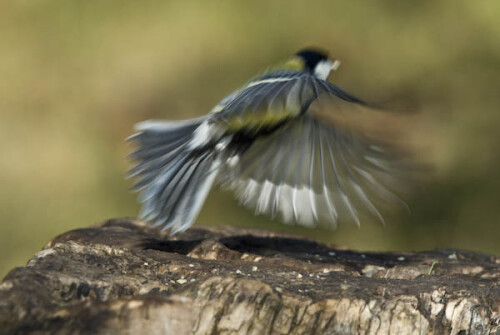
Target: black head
312,57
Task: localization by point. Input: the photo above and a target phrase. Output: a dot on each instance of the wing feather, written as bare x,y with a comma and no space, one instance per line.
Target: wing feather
309,170
307,173
272,98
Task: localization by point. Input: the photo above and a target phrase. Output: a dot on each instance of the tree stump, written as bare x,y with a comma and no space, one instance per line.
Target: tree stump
122,277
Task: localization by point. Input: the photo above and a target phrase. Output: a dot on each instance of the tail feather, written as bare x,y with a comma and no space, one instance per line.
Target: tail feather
155,162
184,208
173,178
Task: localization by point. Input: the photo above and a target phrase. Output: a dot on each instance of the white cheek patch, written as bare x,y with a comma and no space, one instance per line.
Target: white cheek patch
323,68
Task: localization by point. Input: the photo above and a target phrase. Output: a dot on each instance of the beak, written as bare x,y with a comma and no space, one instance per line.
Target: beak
335,65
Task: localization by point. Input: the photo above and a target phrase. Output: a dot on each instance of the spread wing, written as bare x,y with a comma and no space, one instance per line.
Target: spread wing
309,171
273,98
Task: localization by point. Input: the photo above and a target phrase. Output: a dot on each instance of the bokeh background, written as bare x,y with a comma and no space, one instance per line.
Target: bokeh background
76,75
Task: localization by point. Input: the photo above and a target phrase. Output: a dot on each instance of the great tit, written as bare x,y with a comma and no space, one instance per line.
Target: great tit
265,142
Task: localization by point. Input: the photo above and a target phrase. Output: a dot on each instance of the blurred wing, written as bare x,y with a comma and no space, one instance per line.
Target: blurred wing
309,172
271,99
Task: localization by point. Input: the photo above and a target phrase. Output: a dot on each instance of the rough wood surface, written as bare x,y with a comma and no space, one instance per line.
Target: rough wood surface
122,277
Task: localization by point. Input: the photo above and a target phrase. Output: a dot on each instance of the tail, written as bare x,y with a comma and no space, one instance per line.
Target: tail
174,178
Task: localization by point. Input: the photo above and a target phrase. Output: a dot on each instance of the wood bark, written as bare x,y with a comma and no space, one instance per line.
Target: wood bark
122,277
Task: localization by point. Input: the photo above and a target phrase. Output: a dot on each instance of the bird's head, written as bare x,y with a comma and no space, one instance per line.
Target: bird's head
315,61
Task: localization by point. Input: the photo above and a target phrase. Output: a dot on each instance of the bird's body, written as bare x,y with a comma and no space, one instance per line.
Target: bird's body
262,142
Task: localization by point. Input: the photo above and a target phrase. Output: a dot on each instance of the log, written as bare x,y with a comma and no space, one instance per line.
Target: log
123,277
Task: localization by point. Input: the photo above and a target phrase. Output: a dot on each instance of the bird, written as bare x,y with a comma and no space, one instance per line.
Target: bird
268,144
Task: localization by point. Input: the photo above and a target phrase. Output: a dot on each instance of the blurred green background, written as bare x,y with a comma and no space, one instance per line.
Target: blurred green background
76,76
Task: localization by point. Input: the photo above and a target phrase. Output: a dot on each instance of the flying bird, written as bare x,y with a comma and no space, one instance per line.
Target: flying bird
274,143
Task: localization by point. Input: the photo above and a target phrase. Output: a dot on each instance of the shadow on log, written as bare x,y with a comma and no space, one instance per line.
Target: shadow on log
122,277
